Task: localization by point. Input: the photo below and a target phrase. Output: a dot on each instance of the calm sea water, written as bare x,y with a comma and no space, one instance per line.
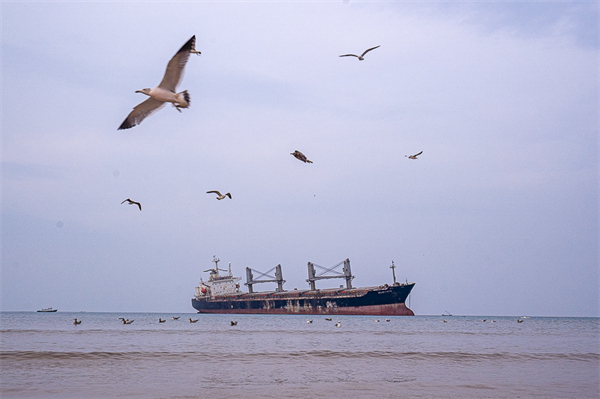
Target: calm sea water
43,355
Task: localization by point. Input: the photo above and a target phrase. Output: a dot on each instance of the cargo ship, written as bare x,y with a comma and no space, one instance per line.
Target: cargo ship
222,294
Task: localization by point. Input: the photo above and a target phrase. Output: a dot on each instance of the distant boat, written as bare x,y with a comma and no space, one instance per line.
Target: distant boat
48,310
446,314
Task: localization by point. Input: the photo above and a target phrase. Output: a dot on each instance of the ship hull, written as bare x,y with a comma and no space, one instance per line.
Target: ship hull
384,301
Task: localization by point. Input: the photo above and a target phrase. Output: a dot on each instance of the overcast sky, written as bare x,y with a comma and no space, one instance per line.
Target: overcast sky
498,216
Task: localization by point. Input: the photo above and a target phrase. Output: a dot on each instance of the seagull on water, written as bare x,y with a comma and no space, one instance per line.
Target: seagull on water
175,317
300,156
76,322
161,320
219,195
414,156
233,323
166,90
360,57
130,202
193,321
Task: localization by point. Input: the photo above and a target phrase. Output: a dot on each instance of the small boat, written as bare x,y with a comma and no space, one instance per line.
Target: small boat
48,310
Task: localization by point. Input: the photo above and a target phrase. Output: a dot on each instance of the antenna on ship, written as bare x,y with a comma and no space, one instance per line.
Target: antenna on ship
393,267
215,271
216,260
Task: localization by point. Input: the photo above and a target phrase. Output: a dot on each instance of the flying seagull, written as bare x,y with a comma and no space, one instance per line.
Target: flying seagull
414,156
130,202
219,195
166,91
360,57
193,49
300,156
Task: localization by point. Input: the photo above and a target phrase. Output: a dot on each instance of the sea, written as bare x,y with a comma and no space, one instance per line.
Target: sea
44,355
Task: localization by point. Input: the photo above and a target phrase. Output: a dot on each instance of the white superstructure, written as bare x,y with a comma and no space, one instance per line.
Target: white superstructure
217,284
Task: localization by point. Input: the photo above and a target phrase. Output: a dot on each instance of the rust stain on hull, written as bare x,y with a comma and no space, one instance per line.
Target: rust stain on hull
396,309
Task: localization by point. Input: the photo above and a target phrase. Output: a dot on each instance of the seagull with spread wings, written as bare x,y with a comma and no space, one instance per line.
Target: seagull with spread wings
414,156
130,202
300,156
166,91
219,195
360,57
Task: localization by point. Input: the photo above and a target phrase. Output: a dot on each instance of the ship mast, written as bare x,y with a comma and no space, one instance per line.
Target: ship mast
216,260
393,267
214,273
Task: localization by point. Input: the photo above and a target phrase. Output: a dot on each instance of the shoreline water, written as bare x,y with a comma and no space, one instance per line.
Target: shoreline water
272,356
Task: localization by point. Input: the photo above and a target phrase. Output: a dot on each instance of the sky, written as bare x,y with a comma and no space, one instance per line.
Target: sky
498,216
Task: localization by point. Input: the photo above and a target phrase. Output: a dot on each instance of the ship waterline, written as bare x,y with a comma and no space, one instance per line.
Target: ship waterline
221,294
400,310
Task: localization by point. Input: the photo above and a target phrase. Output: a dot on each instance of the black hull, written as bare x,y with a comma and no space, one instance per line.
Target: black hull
385,300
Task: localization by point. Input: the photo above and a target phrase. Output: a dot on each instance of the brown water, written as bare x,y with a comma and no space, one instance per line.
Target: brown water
46,356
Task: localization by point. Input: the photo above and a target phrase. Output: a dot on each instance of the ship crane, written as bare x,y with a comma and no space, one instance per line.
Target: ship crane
278,278
313,277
